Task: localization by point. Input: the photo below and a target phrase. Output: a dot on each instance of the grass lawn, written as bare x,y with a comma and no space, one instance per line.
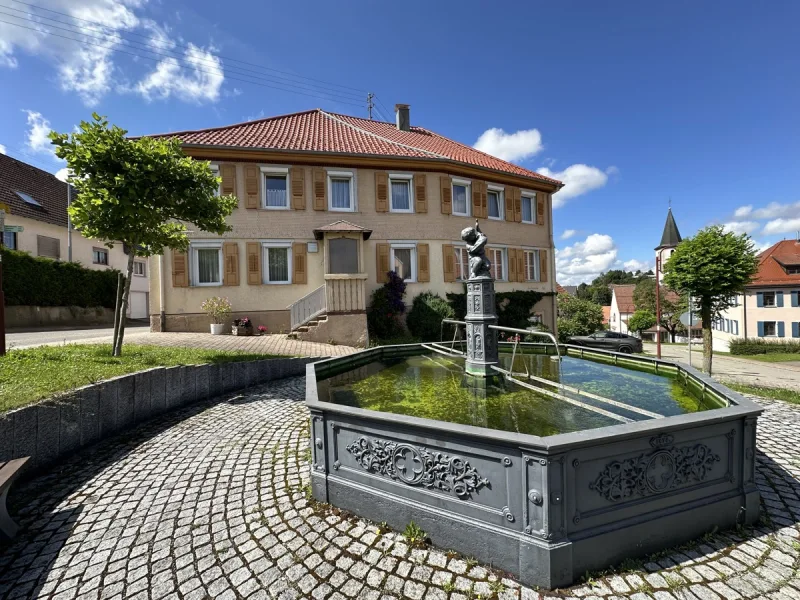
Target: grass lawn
772,358
787,395
32,374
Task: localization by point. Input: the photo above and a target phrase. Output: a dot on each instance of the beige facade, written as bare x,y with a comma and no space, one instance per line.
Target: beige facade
429,239
771,313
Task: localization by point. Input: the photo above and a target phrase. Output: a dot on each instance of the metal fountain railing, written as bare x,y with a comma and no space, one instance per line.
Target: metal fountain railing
309,306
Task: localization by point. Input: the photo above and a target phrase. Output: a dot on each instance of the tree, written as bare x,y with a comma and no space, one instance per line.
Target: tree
138,192
599,291
641,320
672,304
577,316
714,266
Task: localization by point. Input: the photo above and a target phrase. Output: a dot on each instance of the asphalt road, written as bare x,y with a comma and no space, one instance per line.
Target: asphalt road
29,339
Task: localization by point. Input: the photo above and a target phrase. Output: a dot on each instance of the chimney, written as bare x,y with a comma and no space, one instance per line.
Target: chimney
403,117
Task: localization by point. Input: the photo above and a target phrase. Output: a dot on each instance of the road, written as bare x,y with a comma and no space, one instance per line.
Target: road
782,375
44,337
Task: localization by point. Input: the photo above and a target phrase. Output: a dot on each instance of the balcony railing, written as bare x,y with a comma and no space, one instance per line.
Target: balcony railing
309,306
346,292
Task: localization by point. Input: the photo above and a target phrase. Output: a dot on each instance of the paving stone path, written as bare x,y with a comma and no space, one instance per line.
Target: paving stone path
208,503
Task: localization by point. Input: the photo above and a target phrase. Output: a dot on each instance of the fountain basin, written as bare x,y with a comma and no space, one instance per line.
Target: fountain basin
581,493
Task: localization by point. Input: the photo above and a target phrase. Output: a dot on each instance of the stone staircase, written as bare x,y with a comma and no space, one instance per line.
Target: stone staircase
307,329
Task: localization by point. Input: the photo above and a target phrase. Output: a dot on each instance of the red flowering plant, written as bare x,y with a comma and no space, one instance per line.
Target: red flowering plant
262,329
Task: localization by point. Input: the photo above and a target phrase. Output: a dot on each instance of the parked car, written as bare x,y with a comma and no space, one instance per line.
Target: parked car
608,340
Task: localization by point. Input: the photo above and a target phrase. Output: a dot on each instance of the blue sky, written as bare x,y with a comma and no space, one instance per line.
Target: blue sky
631,103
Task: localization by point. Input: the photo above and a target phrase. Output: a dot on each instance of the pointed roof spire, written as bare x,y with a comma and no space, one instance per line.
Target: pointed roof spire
671,236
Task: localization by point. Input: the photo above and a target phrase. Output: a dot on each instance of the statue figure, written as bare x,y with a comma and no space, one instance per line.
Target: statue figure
479,265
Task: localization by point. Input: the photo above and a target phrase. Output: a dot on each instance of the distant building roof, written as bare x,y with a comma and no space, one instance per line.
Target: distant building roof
624,294
572,290
560,289
606,314
671,236
20,183
776,264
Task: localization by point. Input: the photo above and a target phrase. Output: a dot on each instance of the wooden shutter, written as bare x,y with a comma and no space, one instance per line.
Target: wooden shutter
518,206
512,265
320,190
421,193
228,173
477,211
180,269
522,274
252,185
299,263
510,195
382,262
449,262
543,265
381,191
297,177
541,200
254,263
423,263
447,194
484,200
230,253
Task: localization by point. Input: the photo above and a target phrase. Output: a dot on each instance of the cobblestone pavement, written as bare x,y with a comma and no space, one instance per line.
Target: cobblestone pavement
209,503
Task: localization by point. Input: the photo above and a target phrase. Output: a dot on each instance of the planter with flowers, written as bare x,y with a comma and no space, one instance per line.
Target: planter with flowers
218,309
242,326
262,330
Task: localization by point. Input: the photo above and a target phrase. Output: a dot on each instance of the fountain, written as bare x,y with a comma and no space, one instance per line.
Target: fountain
541,459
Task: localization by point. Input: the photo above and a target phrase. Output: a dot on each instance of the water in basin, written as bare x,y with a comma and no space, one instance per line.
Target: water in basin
433,386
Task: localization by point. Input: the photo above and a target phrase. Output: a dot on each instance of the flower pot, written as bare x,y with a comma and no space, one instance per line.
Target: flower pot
239,330
217,328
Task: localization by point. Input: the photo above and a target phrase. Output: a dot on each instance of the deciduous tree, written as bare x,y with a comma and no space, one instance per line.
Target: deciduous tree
577,316
672,307
641,320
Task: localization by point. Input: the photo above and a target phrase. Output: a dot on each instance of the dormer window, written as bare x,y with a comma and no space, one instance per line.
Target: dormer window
28,199
793,269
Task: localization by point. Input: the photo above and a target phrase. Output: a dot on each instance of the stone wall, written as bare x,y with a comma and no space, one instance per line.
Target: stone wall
45,316
52,429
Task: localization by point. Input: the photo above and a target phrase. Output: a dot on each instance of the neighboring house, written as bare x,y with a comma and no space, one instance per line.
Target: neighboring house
606,316
622,307
770,306
329,203
36,201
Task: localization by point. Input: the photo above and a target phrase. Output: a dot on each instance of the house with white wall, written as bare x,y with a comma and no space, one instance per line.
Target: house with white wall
622,307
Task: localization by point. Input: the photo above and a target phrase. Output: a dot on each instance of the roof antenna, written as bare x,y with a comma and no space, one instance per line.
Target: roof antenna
370,96
669,203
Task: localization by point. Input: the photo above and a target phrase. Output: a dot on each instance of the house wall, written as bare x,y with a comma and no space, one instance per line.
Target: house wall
617,321
787,314
433,228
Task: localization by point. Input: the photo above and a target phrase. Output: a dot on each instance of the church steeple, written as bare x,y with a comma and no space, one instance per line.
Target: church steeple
671,236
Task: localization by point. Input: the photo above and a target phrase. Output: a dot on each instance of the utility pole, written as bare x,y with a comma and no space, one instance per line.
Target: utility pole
69,225
658,306
370,105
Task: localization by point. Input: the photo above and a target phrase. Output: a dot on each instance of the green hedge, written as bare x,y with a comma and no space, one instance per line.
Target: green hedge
513,308
749,346
35,281
425,317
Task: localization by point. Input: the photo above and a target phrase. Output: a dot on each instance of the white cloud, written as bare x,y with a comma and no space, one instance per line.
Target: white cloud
578,180
62,174
741,226
637,265
583,261
2,149
197,83
743,211
782,226
38,128
773,210
510,146
568,233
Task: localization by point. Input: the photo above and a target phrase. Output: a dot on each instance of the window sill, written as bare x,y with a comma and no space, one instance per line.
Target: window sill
497,218
407,211
276,208
207,284
455,214
331,209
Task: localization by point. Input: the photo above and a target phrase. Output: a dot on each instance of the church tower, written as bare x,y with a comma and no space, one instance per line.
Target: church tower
669,241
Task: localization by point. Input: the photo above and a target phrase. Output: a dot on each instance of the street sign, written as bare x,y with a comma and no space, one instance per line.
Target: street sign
13,229
688,319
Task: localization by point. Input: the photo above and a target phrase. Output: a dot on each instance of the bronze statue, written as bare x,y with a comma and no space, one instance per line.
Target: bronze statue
479,265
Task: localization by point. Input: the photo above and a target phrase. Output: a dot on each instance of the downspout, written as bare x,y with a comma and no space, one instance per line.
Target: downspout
552,267
744,312
162,315
69,224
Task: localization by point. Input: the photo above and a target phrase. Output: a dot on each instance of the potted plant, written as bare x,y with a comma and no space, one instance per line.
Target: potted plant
242,326
262,330
218,309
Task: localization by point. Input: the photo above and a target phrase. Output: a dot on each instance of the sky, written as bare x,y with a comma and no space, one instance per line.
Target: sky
631,104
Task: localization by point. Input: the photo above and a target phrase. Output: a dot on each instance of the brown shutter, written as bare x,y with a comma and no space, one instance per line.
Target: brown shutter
253,263
382,262
512,264
484,200
320,190
230,252
449,262
476,199
447,194
423,263
522,274
421,192
299,263
381,191
518,206
543,265
297,176
228,173
510,194
541,200
180,269
252,184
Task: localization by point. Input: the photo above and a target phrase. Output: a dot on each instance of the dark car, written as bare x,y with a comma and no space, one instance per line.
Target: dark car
608,340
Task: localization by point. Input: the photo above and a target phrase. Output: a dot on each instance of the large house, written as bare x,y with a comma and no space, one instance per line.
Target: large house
770,306
35,203
329,204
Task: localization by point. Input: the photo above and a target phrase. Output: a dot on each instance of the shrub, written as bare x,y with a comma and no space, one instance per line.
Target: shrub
36,281
750,346
217,308
513,309
425,317
385,307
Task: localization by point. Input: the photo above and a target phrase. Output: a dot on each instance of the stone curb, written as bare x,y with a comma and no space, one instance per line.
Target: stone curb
55,428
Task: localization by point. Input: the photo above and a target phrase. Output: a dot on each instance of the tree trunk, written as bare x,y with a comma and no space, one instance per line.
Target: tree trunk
124,308
120,287
705,315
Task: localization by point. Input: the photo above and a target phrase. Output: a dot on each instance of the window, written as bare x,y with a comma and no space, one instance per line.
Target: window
343,255
494,199
735,327
28,199
277,262
341,194
404,261
401,193
793,269
770,329
99,256
462,263
461,197
496,257
769,299
528,212
207,264
10,240
48,246
215,170
532,265
139,268
276,186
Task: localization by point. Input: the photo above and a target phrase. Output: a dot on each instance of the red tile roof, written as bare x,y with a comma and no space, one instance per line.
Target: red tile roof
560,289
17,176
321,131
773,263
624,295
606,314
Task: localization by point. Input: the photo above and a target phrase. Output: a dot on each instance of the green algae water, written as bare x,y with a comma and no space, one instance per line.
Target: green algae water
432,386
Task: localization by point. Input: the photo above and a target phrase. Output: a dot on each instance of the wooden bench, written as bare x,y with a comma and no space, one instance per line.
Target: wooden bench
8,472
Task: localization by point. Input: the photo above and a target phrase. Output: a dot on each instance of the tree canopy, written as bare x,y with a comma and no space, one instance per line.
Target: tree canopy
599,292
672,307
641,320
577,316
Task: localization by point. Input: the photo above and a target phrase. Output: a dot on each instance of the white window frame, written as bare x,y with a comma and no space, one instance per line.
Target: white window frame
775,329
404,245
503,260
536,264
351,175
408,177
468,185
104,251
463,266
195,263
501,201
265,246
272,172
215,170
532,196
144,268
774,300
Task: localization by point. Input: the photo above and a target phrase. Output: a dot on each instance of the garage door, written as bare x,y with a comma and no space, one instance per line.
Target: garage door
138,305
